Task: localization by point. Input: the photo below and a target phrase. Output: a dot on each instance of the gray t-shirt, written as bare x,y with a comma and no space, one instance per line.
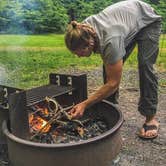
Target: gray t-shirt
118,24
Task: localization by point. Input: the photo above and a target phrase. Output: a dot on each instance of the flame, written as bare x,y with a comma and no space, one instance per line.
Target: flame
37,123
43,110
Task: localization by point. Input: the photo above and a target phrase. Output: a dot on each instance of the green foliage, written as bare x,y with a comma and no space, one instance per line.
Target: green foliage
32,16
47,16
80,9
161,8
99,5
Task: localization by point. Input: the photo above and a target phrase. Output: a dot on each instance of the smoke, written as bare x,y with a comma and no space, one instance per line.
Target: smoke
3,75
18,17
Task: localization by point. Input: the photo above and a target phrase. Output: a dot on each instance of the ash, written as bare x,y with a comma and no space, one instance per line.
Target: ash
71,132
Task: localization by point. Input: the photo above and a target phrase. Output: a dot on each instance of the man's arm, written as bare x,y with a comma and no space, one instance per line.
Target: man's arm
113,72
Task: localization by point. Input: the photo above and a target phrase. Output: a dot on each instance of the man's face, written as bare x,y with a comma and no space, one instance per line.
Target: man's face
85,51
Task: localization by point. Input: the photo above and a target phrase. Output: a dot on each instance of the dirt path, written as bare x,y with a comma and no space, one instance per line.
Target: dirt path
136,152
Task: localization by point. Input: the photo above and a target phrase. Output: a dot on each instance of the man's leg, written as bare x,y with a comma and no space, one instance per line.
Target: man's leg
148,48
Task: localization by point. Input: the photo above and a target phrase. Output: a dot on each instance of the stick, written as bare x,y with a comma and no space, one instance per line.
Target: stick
54,118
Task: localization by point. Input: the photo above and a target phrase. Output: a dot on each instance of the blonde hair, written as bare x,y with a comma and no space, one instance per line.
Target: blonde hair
78,35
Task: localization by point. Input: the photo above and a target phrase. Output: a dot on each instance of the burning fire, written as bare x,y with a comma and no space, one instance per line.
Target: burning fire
42,110
37,123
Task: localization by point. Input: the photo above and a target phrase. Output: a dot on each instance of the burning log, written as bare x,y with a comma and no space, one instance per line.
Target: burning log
37,123
59,126
54,119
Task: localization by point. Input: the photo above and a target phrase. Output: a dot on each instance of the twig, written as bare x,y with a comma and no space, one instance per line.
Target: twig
54,118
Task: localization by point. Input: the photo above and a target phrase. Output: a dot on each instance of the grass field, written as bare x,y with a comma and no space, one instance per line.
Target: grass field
26,61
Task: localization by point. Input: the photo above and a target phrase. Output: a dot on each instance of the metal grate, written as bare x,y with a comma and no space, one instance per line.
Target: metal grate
38,94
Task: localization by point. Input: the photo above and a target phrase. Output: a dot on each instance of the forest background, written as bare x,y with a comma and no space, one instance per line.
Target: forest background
52,16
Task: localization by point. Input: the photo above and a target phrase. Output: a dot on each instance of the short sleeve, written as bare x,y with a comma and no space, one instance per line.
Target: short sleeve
114,50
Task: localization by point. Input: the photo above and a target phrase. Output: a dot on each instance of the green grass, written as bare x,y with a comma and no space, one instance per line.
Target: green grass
31,68
51,40
28,60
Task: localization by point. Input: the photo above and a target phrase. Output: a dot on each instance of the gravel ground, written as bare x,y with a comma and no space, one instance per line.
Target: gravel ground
134,152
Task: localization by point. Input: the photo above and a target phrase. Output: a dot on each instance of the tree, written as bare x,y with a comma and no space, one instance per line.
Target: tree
99,5
161,9
12,15
80,9
77,9
3,18
45,16
32,16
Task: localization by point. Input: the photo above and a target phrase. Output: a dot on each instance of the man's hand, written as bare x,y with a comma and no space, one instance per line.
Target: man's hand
78,110
114,72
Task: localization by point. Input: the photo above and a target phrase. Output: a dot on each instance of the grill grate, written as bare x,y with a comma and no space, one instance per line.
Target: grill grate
68,89
38,94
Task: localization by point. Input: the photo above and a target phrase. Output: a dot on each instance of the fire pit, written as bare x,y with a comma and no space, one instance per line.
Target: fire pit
97,151
67,90
5,91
